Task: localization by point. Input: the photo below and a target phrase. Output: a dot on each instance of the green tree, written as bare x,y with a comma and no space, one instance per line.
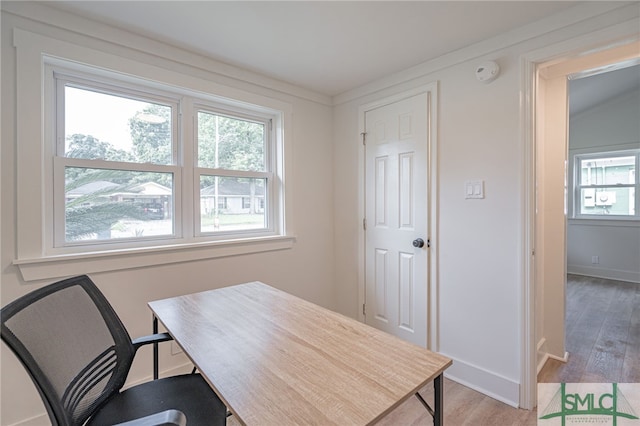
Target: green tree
151,134
240,143
231,144
89,147
152,141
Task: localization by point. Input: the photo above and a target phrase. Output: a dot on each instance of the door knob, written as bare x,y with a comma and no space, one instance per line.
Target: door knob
418,242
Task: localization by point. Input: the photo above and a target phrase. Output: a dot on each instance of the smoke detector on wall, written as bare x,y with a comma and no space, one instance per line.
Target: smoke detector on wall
487,71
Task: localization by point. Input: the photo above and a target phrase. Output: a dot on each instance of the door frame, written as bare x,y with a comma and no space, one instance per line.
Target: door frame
558,56
431,93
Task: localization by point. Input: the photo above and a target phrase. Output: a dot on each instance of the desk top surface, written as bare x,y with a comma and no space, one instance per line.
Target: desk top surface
275,359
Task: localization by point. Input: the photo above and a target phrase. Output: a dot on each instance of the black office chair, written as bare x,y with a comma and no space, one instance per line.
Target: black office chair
78,354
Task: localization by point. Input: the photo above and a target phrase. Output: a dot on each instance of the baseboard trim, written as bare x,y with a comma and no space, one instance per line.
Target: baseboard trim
491,384
543,360
610,274
40,420
565,358
547,356
543,356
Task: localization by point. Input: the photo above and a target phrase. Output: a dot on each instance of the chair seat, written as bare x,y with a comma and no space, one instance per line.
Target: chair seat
188,393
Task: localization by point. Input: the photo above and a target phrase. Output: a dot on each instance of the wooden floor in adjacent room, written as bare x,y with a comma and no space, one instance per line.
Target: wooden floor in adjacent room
602,333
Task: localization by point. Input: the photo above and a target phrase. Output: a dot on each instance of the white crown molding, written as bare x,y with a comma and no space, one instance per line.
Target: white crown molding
71,27
574,15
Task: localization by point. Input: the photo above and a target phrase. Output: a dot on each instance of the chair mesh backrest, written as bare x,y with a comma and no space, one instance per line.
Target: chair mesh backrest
74,346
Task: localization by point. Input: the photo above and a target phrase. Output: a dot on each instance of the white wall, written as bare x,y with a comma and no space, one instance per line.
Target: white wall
305,270
613,125
480,244
478,239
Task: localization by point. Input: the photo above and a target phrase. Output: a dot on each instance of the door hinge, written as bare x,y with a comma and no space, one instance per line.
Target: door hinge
364,309
364,224
364,138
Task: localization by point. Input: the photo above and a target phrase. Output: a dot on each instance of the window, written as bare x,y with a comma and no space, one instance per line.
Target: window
232,164
127,173
112,174
606,185
115,169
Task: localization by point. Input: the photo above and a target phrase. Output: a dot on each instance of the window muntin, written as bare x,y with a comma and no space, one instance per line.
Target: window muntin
120,158
607,184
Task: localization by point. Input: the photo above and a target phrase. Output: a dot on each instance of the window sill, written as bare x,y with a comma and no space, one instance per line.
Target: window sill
72,264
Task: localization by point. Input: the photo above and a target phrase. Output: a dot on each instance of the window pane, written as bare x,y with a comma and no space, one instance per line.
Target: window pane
115,128
115,204
607,201
231,204
230,143
608,171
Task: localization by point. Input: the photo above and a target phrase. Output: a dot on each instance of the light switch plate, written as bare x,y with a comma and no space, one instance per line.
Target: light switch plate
474,189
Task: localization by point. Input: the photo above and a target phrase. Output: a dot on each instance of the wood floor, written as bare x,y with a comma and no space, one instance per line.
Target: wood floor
603,341
602,333
462,407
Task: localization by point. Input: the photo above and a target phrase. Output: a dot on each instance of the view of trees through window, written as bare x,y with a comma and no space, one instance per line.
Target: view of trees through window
231,144
120,156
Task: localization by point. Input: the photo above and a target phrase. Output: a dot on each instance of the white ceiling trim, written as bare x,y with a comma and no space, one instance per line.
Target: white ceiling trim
69,27
552,23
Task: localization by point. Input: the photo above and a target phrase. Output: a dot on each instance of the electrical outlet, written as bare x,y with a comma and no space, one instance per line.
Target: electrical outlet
595,259
175,349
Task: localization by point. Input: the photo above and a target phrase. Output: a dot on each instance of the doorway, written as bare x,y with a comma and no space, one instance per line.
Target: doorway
602,244
546,238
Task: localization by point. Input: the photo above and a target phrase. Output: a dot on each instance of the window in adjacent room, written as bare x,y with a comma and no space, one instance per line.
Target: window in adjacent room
607,185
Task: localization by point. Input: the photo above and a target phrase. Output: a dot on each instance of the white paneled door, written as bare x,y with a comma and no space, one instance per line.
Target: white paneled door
396,209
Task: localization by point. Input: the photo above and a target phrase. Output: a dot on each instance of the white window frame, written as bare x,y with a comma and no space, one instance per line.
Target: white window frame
35,149
578,185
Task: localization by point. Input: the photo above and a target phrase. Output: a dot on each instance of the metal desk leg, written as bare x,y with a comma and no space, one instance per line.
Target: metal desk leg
155,349
438,401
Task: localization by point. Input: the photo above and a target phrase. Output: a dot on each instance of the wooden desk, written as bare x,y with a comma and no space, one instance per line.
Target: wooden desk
275,359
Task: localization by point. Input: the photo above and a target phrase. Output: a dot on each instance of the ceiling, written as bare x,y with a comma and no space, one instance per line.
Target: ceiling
326,46
604,85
